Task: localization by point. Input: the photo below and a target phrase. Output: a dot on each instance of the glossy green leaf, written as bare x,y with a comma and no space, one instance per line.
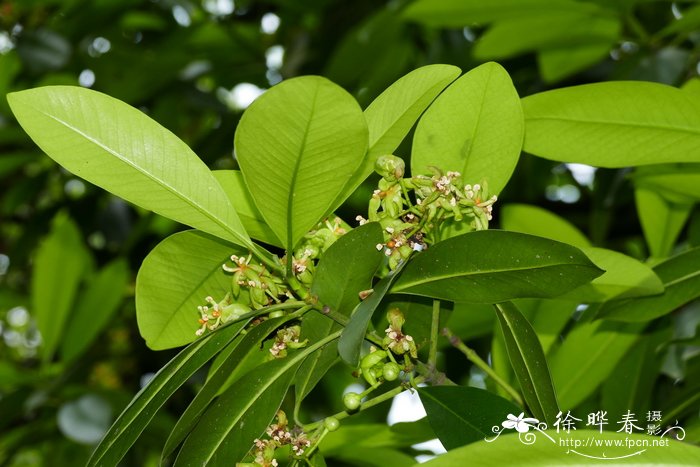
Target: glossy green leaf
474,127
118,148
682,181
391,115
613,124
548,318
361,436
493,266
587,357
344,270
297,145
234,186
350,343
174,279
681,278
469,320
535,220
528,362
543,452
95,308
624,277
461,415
232,359
226,431
460,13
559,63
512,37
662,220
137,415
59,265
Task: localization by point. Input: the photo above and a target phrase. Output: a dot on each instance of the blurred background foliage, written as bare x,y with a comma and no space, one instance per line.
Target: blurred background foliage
69,250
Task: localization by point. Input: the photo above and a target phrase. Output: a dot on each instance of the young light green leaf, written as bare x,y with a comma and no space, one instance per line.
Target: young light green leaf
391,115
674,182
511,37
681,278
118,148
234,186
350,343
174,279
59,265
461,415
545,453
613,124
134,419
232,358
297,145
662,220
460,13
534,220
624,277
528,362
588,356
474,127
492,266
345,269
94,308
227,429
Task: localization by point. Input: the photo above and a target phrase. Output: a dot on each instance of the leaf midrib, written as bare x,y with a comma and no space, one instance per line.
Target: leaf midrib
432,279
148,175
645,126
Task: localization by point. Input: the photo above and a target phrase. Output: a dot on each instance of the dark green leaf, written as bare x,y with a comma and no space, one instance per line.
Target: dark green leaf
134,419
529,363
493,266
461,415
681,278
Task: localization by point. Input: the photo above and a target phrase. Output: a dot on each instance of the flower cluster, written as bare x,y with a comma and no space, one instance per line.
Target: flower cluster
252,282
413,220
395,340
217,313
287,338
312,246
279,435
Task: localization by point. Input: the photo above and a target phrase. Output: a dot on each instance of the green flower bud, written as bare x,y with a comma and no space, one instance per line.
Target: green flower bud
390,167
352,401
331,423
391,371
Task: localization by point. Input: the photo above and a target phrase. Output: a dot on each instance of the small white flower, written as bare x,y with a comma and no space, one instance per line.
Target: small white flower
521,424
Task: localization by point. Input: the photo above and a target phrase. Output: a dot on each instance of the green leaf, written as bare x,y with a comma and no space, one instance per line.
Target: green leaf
474,127
297,145
492,266
548,318
391,115
462,415
460,13
681,278
353,335
234,186
510,448
228,371
689,22
174,279
59,265
95,307
226,431
534,220
361,436
512,37
134,419
344,270
588,356
672,182
118,148
613,124
624,277
528,361
662,220
557,64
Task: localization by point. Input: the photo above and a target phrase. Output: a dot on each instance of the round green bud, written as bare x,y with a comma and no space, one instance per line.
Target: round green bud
352,400
331,423
391,371
390,167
